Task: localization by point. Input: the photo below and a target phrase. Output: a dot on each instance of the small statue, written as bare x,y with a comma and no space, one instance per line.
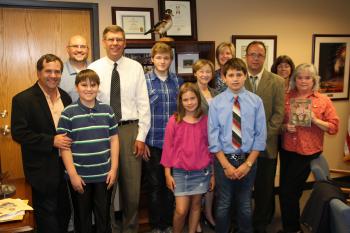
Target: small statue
164,25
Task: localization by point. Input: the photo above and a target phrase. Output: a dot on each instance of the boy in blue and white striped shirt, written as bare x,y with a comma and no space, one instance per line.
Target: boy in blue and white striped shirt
92,161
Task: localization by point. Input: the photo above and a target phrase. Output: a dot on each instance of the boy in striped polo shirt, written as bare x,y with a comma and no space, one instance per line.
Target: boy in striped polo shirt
92,161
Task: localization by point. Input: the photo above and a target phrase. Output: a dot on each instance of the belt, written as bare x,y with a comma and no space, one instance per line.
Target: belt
127,122
237,157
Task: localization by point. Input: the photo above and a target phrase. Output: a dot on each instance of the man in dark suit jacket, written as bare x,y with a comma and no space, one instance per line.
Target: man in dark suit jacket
270,88
35,114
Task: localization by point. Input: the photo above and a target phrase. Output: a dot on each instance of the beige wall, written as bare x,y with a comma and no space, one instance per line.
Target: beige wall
293,21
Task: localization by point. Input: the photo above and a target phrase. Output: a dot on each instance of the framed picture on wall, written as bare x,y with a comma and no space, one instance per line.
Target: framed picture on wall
143,56
135,22
241,42
185,62
184,18
331,57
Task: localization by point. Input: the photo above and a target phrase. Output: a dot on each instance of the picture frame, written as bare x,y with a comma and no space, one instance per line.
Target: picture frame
331,57
135,21
143,56
185,62
184,18
241,42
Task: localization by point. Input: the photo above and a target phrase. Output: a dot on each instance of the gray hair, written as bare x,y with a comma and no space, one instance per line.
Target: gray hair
305,67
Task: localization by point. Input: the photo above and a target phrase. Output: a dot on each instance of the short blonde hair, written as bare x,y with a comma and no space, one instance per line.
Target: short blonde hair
202,62
224,45
305,67
161,47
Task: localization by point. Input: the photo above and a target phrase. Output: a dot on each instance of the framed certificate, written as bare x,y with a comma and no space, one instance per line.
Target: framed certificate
184,18
134,21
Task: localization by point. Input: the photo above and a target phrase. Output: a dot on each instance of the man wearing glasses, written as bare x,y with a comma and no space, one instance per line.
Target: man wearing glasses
78,52
270,88
123,86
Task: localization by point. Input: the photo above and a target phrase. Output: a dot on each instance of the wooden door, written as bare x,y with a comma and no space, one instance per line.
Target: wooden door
25,35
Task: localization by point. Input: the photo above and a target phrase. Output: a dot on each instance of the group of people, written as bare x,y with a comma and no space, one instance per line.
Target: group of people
193,139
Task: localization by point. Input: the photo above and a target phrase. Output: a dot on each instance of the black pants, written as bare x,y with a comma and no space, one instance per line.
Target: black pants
264,197
52,211
161,199
295,169
96,198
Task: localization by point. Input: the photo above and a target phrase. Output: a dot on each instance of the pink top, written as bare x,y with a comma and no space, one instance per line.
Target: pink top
309,140
186,145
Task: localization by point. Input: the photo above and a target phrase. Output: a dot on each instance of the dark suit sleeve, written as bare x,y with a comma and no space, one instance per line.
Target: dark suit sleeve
23,127
276,119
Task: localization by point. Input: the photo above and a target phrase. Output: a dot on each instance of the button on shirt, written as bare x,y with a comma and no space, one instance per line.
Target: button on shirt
253,123
133,90
162,98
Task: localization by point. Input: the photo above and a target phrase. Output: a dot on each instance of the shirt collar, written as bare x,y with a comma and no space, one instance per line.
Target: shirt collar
259,75
230,95
111,62
315,94
95,108
71,69
154,76
58,95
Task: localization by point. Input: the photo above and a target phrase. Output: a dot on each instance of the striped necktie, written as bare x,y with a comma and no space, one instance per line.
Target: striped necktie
115,93
236,125
253,80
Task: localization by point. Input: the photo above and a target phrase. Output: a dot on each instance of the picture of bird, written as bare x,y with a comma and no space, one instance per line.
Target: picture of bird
164,25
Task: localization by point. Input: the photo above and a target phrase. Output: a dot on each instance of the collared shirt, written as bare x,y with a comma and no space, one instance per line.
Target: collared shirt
68,80
257,81
253,123
133,90
90,129
56,106
309,140
220,86
162,98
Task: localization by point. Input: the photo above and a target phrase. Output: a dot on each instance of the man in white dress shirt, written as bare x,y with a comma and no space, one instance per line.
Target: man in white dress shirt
134,122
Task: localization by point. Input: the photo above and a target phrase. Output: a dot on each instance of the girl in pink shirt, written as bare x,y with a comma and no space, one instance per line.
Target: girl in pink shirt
186,158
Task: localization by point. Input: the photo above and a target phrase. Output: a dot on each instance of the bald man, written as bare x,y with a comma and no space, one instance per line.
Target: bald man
78,52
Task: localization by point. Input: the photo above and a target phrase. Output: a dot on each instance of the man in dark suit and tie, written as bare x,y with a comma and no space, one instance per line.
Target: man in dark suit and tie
270,88
35,114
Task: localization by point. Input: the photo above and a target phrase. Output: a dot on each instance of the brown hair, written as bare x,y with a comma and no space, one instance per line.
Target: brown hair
200,63
283,59
47,58
180,114
236,64
161,47
255,42
114,29
87,75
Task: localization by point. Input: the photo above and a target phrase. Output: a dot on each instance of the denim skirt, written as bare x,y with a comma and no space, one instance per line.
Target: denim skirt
191,182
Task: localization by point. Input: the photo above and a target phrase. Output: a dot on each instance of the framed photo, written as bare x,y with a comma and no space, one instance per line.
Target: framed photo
331,57
143,56
185,62
184,18
134,21
241,42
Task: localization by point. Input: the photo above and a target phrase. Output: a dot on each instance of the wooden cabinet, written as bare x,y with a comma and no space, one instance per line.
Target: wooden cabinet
186,52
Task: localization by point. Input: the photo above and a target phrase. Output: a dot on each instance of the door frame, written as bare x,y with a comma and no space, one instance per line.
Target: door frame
92,7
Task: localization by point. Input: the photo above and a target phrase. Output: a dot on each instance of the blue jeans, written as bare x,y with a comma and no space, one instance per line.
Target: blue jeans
233,190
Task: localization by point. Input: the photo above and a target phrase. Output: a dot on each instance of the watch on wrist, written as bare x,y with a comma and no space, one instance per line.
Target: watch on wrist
249,164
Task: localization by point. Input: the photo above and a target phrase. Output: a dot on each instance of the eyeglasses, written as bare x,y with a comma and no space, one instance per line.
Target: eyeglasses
256,55
118,40
76,46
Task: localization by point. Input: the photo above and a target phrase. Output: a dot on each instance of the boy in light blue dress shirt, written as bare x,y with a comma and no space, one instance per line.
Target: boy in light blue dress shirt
234,163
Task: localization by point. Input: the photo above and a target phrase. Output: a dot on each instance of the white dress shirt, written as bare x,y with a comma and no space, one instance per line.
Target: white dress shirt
257,81
133,90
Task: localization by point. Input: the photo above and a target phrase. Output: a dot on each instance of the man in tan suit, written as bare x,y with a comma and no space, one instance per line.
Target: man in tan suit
270,88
